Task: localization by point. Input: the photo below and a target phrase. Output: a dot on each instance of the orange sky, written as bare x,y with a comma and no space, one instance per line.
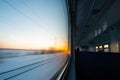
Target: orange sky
18,45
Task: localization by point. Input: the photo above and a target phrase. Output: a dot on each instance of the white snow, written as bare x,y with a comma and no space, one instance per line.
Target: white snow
49,65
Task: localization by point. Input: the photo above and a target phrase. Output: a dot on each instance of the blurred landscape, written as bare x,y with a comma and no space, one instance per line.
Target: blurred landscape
7,53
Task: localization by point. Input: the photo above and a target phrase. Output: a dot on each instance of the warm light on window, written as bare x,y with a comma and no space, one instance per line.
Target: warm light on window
96,47
106,46
100,47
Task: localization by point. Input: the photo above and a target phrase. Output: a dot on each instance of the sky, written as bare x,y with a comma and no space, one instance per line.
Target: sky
33,24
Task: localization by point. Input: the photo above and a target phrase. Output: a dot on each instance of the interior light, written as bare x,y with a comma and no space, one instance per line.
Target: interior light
96,47
100,46
106,46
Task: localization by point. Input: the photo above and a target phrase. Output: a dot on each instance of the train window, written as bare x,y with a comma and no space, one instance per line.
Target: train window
106,46
100,47
96,48
33,39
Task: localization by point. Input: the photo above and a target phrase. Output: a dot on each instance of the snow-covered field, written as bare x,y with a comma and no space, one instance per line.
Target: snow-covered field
31,67
7,53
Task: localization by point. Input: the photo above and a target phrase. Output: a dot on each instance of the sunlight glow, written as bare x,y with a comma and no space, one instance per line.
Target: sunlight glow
33,24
